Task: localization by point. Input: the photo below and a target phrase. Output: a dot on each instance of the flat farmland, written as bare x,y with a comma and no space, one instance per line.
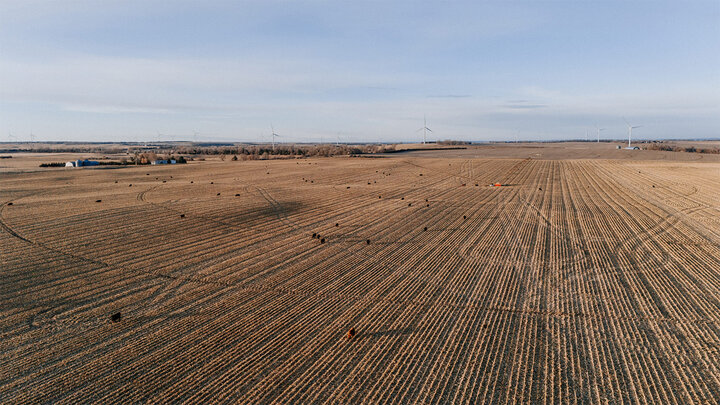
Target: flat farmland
577,281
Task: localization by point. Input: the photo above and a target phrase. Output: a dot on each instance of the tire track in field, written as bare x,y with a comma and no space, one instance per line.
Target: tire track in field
211,281
3,222
276,207
510,177
141,197
672,216
648,269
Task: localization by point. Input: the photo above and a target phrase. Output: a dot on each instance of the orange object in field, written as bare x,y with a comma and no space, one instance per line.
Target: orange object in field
498,184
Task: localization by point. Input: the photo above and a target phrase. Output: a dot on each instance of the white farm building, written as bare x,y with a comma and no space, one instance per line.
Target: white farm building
81,163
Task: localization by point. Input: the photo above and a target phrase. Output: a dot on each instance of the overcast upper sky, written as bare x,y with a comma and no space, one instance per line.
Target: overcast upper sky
357,70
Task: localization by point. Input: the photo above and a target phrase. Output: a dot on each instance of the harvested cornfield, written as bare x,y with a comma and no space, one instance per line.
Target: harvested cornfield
586,281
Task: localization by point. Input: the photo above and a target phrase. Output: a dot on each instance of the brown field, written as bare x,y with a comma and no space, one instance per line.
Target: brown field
582,281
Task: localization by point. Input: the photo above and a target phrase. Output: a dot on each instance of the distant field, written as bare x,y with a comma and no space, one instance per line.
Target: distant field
575,150
583,279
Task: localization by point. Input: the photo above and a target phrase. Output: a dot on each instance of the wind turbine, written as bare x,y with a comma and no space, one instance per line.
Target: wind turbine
598,131
424,129
272,130
630,128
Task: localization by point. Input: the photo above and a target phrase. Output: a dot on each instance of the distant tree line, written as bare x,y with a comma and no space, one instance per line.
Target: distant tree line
140,154
453,142
138,158
253,152
676,148
146,158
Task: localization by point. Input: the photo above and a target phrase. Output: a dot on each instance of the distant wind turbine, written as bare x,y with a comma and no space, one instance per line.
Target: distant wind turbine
272,130
424,129
630,128
598,131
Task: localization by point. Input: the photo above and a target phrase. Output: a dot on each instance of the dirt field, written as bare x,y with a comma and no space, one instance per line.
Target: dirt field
579,281
574,150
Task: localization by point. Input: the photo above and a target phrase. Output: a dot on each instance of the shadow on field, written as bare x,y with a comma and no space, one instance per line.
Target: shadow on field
260,213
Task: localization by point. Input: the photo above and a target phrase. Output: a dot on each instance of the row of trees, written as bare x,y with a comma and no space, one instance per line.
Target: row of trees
676,148
146,158
453,142
251,152
242,152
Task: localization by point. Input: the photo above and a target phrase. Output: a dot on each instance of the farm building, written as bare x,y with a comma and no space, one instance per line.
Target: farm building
163,162
80,163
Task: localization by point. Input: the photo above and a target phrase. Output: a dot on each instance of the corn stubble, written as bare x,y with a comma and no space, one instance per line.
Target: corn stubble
576,281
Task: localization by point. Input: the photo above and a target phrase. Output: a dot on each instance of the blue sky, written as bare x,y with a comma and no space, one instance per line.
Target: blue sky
357,71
